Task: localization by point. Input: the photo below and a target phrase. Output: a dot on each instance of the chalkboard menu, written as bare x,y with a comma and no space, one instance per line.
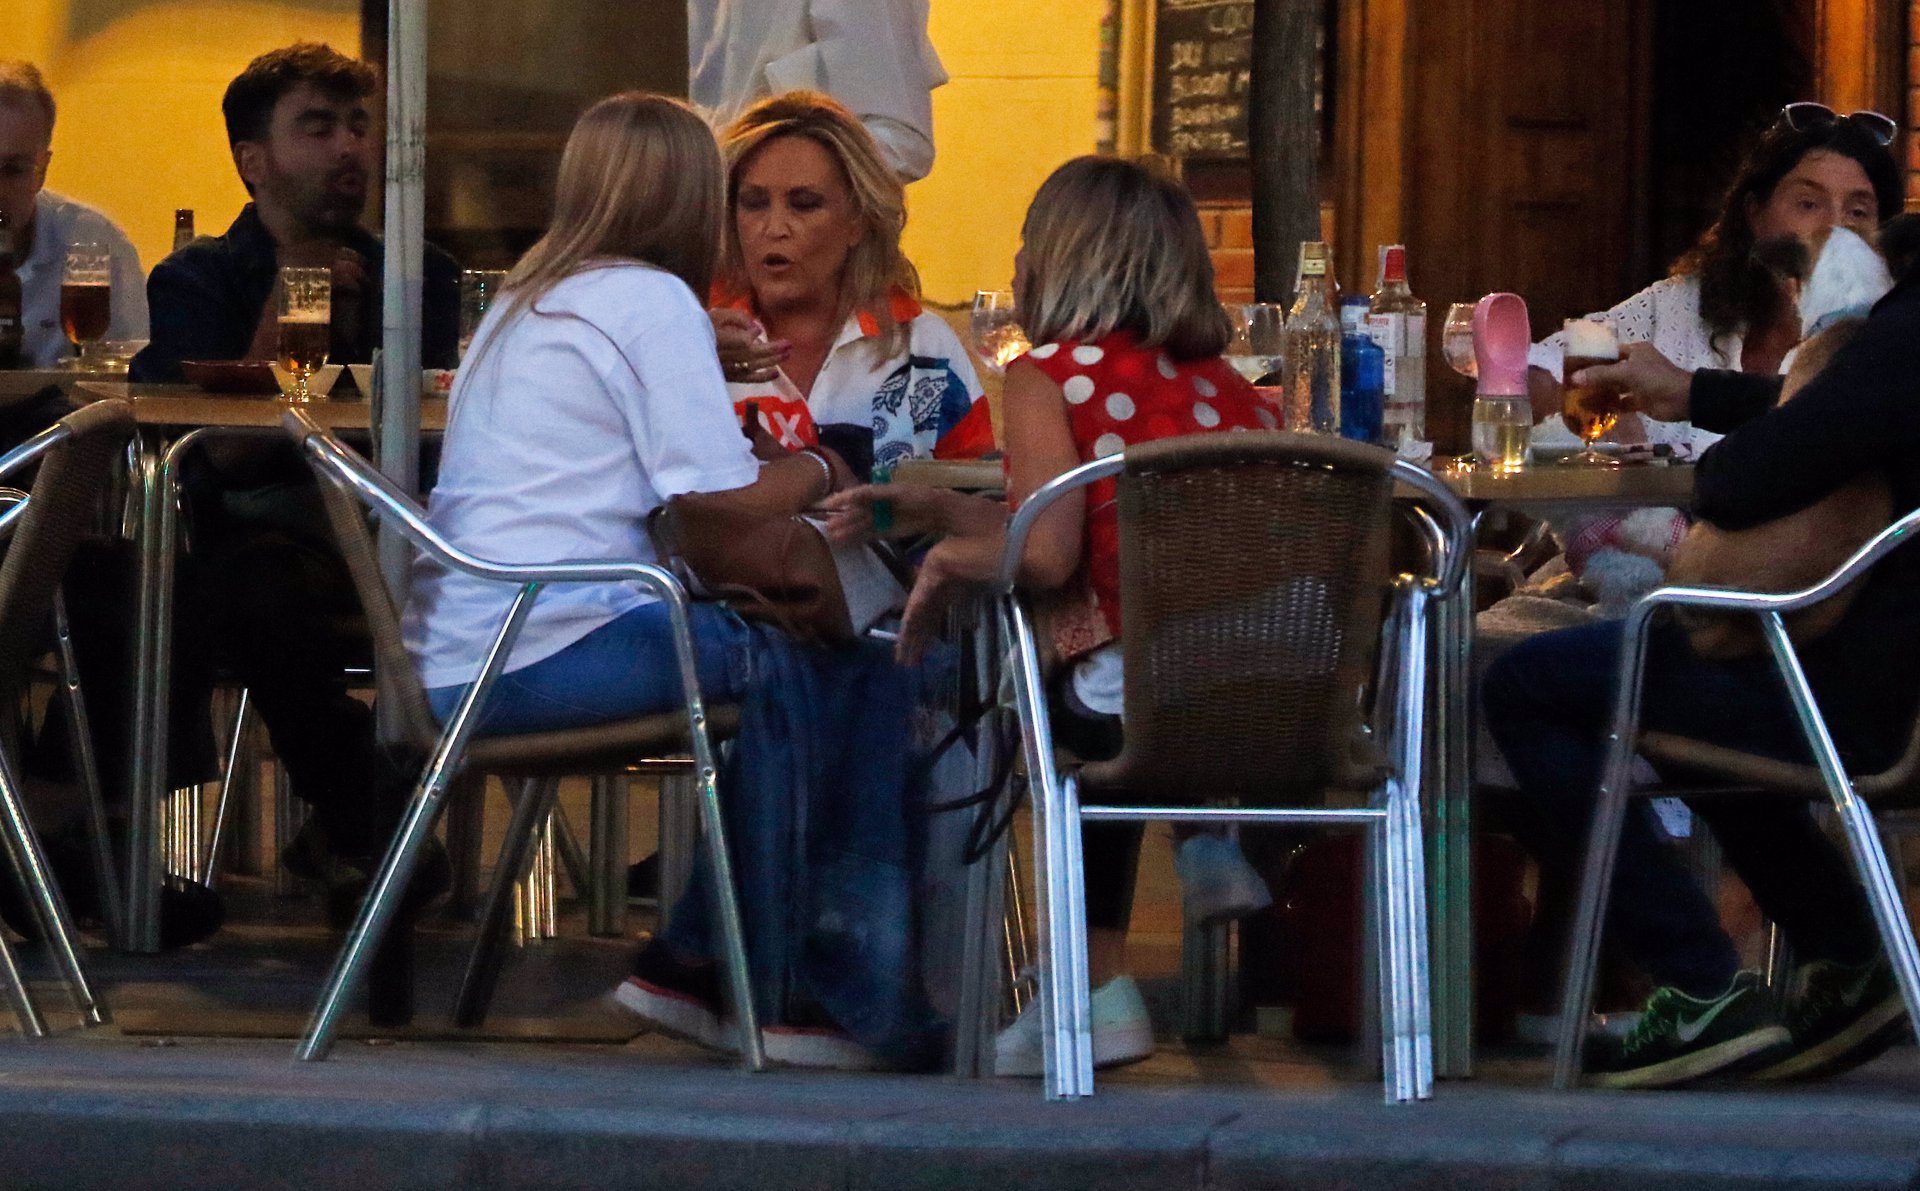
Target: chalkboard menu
1202,54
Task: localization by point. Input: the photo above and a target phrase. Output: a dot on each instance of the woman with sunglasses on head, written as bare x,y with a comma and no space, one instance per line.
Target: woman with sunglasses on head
1721,309
1549,703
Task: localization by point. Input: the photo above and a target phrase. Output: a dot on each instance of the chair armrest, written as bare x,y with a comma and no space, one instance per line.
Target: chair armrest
1021,523
1736,600
397,510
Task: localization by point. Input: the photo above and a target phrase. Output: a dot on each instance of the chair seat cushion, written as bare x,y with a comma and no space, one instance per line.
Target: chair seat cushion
582,750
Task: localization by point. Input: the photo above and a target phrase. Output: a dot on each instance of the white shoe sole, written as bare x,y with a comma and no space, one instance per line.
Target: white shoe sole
794,1046
1114,1046
675,1015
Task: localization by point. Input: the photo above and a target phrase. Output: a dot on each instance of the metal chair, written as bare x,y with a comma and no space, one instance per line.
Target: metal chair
1256,588
347,483
75,457
1751,775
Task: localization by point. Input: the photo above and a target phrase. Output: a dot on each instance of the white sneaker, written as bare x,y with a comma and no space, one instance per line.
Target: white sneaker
1216,882
1122,1032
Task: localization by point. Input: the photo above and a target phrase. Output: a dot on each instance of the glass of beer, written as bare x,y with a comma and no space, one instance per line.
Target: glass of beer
1587,410
86,297
306,325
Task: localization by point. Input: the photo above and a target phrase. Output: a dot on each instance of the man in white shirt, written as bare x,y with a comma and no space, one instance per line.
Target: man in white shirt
871,55
43,224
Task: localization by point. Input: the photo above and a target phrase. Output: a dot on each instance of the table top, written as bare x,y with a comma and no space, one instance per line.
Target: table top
1545,484
19,383
189,405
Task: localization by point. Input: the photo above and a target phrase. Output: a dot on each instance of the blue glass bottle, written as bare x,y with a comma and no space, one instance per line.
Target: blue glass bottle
1363,374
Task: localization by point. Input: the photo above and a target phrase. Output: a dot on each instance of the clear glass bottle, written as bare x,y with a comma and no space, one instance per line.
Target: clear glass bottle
1313,346
1398,323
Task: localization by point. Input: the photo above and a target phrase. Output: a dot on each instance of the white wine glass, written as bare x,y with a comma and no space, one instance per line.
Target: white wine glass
1456,340
995,325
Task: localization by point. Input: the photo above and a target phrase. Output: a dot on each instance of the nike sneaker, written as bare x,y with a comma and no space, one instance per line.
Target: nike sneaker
1681,1038
1840,1015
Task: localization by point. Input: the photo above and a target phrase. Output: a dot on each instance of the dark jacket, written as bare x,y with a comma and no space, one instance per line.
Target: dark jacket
205,301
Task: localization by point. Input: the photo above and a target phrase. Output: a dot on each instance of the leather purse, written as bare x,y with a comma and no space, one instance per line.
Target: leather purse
775,568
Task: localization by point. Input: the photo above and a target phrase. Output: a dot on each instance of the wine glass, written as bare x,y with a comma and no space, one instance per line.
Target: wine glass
86,297
306,325
1588,410
479,290
1456,340
996,330
1259,341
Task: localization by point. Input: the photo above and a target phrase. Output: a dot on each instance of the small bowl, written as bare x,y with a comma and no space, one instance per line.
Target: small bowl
231,376
319,384
362,375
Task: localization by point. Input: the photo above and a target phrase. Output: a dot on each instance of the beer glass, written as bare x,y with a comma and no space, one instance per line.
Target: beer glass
479,290
1587,410
306,325
997,336
86,297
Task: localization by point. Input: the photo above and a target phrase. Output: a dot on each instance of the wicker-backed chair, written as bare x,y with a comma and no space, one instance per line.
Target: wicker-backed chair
349,486
1258,613
1746,775
75,458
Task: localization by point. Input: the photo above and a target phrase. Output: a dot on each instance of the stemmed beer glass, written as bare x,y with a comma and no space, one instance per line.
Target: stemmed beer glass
1587,410
306,325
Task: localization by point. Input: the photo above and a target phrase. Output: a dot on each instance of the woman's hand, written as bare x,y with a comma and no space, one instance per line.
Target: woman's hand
1652,384
746,356
952,569
917,511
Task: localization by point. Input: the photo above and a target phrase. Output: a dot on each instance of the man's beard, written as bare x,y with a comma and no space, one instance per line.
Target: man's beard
316,205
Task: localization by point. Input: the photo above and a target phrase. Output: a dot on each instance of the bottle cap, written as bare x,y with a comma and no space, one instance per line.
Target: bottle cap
1501,337
1393,263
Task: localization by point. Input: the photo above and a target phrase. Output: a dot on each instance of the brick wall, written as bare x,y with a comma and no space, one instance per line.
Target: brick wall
1230,237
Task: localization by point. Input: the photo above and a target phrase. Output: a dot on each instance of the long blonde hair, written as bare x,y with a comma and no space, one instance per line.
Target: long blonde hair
640,180
1113,245
875,266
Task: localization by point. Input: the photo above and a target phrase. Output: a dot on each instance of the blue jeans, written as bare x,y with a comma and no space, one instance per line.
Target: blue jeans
624,668
1549,704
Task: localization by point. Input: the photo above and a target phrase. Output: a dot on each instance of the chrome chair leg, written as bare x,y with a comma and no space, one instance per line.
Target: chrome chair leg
607,858
232,782
1863,839
516,850
31,1023
1064,987
56,924
87,766
567,850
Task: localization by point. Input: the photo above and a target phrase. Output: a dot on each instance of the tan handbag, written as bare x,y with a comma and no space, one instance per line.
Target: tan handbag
768,567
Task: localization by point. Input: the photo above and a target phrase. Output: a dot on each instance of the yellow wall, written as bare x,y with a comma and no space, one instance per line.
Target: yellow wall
138,83
1022,101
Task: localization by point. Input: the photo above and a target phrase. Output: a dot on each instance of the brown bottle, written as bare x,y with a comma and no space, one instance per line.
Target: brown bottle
12,328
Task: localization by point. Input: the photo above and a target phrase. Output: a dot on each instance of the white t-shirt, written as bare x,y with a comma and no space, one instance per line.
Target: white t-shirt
57,222
568,425
871,55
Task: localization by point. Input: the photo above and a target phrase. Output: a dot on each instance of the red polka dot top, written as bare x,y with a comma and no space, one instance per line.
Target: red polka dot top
1118,394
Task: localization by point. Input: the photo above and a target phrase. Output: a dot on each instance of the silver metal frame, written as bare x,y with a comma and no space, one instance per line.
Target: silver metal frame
1863,841
18,840
1394,814
396,511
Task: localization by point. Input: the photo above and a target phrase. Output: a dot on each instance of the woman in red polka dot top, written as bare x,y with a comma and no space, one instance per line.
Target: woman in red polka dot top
1114,284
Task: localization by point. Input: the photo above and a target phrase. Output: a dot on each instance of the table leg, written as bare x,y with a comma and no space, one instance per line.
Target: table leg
147,777
1450,805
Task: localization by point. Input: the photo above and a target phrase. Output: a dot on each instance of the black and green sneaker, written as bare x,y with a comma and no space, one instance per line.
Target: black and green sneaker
1682,1038
1840,1015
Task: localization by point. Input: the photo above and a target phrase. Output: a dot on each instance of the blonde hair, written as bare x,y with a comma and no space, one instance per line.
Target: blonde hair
640,180
875,266
22,85
1113,245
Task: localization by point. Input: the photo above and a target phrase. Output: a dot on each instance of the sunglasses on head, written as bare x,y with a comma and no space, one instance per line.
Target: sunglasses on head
1807,116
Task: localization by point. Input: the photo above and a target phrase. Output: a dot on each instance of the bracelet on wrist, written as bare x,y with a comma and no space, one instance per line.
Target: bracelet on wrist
826,467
